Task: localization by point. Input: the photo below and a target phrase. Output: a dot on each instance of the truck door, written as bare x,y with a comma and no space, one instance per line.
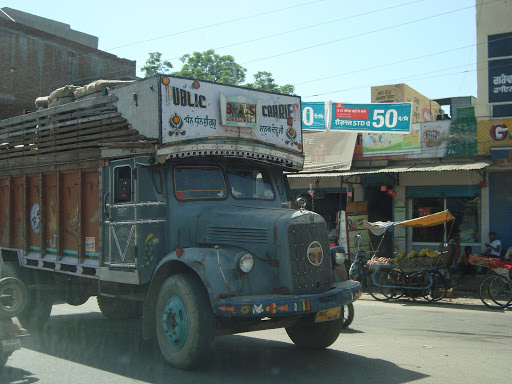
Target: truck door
121,229
136,211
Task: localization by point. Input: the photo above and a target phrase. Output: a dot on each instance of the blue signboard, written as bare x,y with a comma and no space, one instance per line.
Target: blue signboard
380,117
313,116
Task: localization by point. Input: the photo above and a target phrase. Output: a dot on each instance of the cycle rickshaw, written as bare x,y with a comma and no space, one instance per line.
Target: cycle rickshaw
419,278
496,289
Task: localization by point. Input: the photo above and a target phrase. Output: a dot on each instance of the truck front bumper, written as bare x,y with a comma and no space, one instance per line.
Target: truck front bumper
339,294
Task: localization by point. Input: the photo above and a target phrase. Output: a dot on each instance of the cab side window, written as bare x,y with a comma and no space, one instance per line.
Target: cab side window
123,184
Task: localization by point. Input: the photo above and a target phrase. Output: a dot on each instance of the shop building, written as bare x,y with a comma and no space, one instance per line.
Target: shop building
436,166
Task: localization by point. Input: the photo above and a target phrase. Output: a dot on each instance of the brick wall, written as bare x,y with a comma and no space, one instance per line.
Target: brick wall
34,63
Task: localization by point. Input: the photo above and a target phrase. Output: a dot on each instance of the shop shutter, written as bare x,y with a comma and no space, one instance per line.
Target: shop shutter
443,191
377,179
500,206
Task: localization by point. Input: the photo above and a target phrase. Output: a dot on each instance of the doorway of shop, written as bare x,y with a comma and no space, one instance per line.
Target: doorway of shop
380,208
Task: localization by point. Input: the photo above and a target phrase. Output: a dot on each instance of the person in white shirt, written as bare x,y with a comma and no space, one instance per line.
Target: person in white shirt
494,246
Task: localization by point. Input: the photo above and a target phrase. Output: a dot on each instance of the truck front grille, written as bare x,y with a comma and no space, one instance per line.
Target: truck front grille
227,235
305,276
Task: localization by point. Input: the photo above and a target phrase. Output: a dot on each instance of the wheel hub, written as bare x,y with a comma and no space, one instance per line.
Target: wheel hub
175,323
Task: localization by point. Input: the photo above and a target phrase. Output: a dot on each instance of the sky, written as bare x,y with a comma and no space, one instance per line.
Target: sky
328,49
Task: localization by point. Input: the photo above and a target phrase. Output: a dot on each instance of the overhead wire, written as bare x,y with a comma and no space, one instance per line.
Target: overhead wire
310,26
362,34
411,78
215,24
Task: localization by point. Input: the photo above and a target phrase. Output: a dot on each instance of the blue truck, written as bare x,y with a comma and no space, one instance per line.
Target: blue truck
167,199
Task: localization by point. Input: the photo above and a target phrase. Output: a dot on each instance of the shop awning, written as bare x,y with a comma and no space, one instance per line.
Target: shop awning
328,151
429,220
379,227
424,167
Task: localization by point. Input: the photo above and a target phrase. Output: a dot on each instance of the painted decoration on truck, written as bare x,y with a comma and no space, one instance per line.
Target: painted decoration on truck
193,110
34,218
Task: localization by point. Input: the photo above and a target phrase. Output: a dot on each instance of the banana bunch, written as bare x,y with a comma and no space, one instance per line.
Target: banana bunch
427,252
399,256
412,254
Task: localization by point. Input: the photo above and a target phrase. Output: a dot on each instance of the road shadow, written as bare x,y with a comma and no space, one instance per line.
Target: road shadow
448,304
16,375
456,303
117,347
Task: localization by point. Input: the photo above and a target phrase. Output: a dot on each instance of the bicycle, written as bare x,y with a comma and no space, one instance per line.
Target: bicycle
359,269
419,283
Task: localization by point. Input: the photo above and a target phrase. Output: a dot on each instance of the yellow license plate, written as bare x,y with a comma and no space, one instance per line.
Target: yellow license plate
328,315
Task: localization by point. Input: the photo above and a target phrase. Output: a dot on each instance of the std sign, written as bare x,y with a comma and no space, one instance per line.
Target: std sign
314,116
379,117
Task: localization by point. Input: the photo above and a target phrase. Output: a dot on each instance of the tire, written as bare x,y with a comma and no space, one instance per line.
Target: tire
348,315
439,287
493,291
418,283
378,285
14,297
38,308
501,291
185,322
307,334
119,309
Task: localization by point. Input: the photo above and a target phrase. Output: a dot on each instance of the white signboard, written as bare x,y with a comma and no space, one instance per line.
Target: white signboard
194,110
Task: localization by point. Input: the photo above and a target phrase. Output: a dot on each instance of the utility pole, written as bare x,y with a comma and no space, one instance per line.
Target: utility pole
235,80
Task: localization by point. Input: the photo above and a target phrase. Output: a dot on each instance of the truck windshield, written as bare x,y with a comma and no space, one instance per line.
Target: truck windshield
250,183
191,182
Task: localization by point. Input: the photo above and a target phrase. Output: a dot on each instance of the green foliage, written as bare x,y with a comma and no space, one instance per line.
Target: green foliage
210,66
155,65
264,81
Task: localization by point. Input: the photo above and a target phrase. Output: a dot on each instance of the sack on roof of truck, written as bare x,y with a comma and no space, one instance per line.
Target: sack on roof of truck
97,86
42,102
65,91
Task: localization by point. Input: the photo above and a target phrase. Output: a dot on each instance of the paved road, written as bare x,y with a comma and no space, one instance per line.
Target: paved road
400,342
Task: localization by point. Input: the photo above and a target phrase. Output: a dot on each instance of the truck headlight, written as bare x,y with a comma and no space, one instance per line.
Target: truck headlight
246,262
338,255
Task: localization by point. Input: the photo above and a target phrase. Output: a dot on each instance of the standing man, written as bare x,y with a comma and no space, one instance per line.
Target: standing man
493,247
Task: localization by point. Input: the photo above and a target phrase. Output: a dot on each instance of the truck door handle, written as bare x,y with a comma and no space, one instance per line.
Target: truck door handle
105,204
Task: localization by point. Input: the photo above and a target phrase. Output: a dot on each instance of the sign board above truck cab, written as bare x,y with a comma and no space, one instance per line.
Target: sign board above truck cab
229,118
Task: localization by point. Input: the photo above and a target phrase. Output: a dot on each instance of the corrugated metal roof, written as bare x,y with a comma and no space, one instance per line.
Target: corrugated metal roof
428,167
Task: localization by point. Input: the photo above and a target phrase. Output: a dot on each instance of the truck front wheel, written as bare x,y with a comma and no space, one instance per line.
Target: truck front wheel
185,323
307,334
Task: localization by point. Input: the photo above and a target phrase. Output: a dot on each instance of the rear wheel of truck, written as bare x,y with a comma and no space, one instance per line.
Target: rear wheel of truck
117,309
307,334
38,308
185,323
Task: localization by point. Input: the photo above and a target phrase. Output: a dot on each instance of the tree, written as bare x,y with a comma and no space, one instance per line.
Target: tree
210,66
155,65
264,81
